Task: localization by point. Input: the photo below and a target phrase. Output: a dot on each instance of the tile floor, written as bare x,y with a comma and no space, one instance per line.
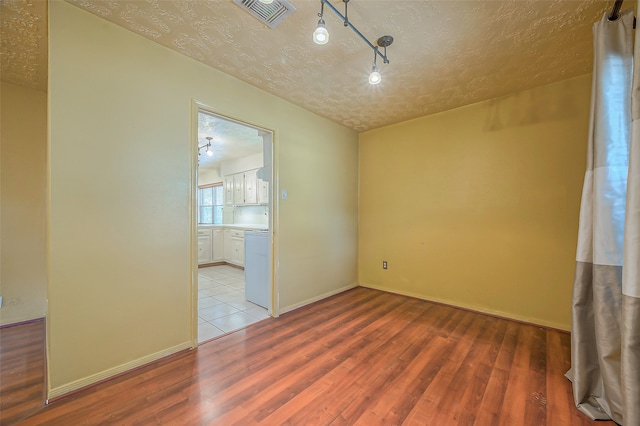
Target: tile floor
222,307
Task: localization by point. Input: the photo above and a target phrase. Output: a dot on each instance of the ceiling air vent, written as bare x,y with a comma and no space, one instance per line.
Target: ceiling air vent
271,14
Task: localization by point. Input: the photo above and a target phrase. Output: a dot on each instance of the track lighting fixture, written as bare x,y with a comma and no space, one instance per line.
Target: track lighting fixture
206,146
209,152
321,36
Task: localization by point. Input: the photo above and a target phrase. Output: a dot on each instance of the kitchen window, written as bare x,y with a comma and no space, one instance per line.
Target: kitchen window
210,203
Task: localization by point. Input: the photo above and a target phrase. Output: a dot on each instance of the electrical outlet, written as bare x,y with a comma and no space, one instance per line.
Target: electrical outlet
384,264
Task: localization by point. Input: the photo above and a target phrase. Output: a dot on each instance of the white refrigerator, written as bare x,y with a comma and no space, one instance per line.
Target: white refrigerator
257,258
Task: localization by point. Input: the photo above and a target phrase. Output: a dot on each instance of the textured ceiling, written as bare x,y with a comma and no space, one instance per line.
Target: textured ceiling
446,54
23,42
229,140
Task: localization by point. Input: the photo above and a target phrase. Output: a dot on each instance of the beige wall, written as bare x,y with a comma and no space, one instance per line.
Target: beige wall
120,115
23,272
478,207
209,176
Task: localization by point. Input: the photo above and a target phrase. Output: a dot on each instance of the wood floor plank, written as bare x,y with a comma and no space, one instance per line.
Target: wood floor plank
556,382
536,408
362,357
453,374
401,393
489,409
418,340
281,392
22,370
371,363
517,392
329,348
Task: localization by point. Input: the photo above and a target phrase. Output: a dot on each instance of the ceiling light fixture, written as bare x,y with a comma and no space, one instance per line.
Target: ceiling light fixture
206,146
375,77
321,36
266,1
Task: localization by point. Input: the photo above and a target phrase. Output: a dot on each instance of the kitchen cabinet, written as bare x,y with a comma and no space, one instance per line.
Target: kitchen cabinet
221,245
242,189
227,244
237,247
217,244
204,246
238,189
228,190
250,187
263,192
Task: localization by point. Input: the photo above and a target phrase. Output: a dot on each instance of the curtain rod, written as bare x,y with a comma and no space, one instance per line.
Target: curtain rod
615,12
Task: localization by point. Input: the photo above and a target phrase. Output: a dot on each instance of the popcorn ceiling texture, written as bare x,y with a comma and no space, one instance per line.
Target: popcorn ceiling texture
446,54
23,43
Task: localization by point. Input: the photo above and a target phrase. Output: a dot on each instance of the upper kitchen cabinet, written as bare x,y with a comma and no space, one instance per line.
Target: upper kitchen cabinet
228,190
238,189
245,189
250,187
263,192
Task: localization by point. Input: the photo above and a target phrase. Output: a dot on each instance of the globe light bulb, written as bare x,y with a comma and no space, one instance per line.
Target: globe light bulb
321,35
209,152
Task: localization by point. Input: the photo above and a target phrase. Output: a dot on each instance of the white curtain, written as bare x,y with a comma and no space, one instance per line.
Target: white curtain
605,338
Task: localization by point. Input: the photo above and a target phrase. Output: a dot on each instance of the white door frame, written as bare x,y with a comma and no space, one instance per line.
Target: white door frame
274,309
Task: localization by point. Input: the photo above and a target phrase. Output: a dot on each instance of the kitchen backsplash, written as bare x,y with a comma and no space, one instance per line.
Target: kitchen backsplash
242,215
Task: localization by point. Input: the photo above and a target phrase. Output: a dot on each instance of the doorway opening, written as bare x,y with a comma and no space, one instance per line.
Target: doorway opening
234,224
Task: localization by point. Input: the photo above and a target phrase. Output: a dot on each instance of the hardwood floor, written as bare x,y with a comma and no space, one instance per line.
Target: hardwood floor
362,357
22,370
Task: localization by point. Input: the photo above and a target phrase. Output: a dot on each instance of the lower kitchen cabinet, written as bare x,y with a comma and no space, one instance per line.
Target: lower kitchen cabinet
217,244
227,244
221,245
237,247
204,246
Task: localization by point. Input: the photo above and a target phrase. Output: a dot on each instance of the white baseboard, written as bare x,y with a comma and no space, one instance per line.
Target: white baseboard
111,372
495,313
316,298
